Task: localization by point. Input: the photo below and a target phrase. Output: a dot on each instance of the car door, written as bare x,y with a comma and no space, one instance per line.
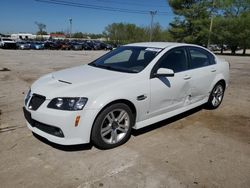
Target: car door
202,69
170,93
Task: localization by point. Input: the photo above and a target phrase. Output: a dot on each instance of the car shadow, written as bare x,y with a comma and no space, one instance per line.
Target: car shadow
166,122
70,148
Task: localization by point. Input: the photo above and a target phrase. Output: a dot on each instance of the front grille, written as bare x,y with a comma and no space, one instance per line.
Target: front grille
41,126
36,101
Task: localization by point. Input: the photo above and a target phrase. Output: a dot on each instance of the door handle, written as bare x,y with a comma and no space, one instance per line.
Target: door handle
213,70
141,97
187,77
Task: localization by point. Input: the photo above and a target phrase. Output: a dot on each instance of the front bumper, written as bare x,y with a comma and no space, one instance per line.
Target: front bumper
58,126
41,126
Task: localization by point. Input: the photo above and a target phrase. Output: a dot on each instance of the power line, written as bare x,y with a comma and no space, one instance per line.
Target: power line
96,7
144,4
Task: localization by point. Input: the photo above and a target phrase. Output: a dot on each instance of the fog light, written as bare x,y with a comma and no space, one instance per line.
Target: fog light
77,120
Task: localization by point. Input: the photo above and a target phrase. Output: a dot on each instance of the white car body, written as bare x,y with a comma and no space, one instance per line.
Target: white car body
189,89
7,43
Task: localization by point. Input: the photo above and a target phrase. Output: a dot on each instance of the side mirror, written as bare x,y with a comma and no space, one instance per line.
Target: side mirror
164,72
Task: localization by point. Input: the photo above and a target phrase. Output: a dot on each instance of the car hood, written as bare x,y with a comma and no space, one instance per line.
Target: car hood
81,81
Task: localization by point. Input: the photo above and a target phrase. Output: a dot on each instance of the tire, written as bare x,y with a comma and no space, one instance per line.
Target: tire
112,126
216,96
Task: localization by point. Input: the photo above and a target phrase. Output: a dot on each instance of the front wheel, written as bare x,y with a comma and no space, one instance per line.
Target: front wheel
112,126
216,96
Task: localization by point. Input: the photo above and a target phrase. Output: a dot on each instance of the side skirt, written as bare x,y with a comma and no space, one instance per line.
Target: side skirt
161,117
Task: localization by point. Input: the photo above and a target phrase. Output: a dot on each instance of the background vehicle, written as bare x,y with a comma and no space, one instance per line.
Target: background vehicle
37,45
23,45
104,46
64,46
86,46
75,46
132,86
7,43
52,45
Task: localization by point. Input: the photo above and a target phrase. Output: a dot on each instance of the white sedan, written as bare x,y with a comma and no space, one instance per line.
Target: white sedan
132,86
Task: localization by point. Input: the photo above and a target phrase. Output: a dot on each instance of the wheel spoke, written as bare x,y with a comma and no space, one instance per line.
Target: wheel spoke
113,136
218,98
216,90
122,129
106,130
111,117
220,93
121,116
214,101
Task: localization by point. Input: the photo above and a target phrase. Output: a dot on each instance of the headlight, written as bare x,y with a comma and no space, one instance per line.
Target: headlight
68,103
27,97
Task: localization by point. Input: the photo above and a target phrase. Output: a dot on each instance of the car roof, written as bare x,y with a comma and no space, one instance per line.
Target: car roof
159,44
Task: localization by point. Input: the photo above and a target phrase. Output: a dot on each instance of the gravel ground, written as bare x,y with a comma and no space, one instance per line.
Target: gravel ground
200,148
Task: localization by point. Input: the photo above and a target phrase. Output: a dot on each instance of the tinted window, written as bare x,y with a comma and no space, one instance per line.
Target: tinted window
199,58
176,60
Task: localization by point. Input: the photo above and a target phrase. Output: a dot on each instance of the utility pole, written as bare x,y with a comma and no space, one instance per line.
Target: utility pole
70,27
152,13
211,25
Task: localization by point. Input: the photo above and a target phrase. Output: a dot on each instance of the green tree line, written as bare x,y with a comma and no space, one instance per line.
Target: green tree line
122,33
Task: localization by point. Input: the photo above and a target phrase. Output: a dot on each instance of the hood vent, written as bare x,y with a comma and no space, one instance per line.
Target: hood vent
64,82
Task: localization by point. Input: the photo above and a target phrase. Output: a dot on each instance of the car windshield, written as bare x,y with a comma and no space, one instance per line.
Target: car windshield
129,59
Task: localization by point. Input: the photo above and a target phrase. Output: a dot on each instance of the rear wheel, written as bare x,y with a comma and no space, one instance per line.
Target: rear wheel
216,96
112,126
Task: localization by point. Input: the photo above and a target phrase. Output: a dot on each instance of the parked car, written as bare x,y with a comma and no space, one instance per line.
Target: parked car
23,45
37,45
65,46
7,43
76,46
93,45
86,46
132,86
105,46
52,45
214,47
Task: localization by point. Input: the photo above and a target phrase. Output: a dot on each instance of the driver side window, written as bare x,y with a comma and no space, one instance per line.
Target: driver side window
176,59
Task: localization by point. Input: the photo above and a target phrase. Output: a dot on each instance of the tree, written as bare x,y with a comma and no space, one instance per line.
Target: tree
79,35
226,21
41,28
58,32
232,25
244,35
191,22
122,33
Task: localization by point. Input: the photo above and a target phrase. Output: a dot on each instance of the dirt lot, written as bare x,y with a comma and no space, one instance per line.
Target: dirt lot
198,149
